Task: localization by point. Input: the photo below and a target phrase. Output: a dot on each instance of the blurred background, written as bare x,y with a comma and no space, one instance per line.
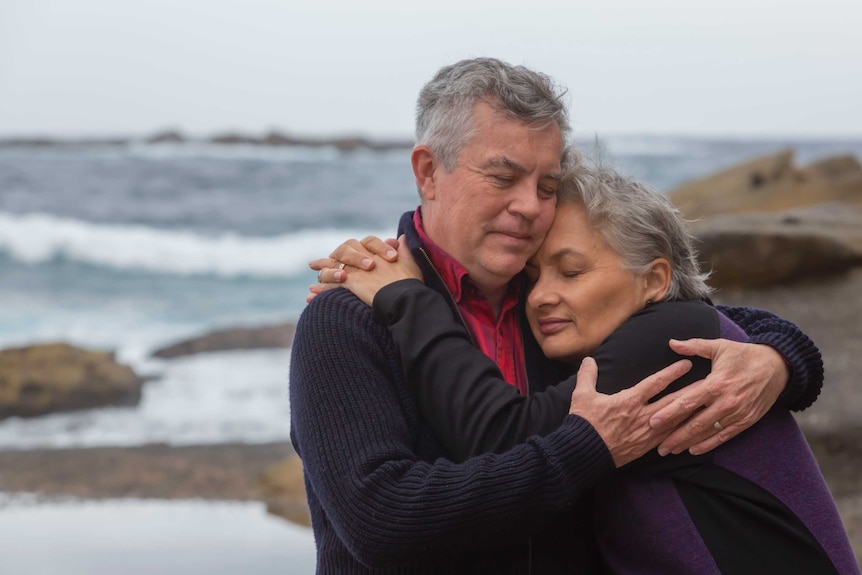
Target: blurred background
167,169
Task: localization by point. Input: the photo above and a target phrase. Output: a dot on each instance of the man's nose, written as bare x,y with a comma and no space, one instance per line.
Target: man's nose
525,200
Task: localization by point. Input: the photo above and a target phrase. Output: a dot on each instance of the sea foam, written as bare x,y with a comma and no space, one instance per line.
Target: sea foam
38,238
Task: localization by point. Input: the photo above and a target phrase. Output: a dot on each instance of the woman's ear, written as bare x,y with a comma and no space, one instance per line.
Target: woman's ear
657,281
424,167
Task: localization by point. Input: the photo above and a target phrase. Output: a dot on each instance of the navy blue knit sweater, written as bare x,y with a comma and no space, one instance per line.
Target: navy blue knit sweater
383,496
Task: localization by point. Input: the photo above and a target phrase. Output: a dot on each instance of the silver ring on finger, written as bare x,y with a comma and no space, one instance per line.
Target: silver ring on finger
341,265
718,426
319,279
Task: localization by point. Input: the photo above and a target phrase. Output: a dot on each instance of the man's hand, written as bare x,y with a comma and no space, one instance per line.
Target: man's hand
352,253
622,419
745,381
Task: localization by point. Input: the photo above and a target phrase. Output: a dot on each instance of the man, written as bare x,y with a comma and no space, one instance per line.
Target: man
383,497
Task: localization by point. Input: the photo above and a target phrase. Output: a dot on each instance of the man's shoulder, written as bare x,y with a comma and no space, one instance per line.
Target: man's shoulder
336,307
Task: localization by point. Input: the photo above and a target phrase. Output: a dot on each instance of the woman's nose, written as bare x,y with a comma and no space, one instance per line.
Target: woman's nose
540,294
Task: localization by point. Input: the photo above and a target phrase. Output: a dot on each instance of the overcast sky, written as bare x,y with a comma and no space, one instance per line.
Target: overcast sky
731,67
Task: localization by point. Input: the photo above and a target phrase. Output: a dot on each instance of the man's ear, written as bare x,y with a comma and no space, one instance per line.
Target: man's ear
424,167
657,280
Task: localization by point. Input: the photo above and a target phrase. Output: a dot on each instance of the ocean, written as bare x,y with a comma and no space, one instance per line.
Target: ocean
131,248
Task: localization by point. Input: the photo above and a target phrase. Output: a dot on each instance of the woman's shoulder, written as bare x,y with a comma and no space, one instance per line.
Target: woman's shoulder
639,347
678,319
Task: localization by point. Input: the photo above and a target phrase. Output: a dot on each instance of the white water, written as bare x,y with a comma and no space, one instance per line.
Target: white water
212,398
38,238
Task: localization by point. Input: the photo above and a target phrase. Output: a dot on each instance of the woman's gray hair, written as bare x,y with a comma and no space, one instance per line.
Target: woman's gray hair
445,105
638,223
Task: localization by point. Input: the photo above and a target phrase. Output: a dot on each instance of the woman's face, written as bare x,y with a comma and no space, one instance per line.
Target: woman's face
580,292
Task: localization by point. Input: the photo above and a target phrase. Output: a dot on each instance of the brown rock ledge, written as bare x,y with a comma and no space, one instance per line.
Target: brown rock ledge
224,472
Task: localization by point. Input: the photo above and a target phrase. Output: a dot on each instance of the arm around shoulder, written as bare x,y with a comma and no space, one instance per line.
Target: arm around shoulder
460,391
385,490
798,350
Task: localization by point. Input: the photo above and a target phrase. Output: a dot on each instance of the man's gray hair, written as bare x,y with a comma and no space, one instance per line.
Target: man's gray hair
445,104
638,223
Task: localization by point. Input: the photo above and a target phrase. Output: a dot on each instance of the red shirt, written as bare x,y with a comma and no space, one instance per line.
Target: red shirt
498,337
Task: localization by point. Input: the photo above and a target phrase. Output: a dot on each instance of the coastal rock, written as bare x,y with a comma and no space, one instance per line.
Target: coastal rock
770,184
265,337
167,137
59,377
344,144
282,488
758,250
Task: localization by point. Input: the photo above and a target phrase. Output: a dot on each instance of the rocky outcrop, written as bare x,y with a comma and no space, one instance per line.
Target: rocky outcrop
271,336
59,377
282,488
771,184
767,222
759,250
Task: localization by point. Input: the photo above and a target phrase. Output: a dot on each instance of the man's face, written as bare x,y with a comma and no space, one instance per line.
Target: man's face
493,210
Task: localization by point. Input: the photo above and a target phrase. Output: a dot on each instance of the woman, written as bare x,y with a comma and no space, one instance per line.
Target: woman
616,278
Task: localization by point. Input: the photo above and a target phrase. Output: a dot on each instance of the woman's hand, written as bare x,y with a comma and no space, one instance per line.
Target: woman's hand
365,281
360,255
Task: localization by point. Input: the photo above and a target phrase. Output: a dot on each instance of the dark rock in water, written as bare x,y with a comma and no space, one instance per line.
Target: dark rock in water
55,377
167,137
272,336
758,250
770,184
344,144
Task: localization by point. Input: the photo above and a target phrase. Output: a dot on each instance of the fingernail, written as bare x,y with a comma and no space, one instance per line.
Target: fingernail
694,451
338,276
391,254
663,451
366,262
655,422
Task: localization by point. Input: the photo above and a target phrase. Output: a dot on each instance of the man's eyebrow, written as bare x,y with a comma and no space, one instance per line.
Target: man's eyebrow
505,162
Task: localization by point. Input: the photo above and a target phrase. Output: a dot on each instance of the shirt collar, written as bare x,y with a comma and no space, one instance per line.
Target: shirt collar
453,274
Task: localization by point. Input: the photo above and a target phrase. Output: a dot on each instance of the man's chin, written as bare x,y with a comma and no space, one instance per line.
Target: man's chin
510,262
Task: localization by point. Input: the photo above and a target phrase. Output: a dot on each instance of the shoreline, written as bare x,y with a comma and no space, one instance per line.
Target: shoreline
216,472
233,471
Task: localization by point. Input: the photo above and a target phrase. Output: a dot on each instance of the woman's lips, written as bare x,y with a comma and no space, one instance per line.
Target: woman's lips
550,326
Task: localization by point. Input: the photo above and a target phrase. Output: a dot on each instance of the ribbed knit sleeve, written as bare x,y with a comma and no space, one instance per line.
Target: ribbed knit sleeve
370,472
460,391
800,353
